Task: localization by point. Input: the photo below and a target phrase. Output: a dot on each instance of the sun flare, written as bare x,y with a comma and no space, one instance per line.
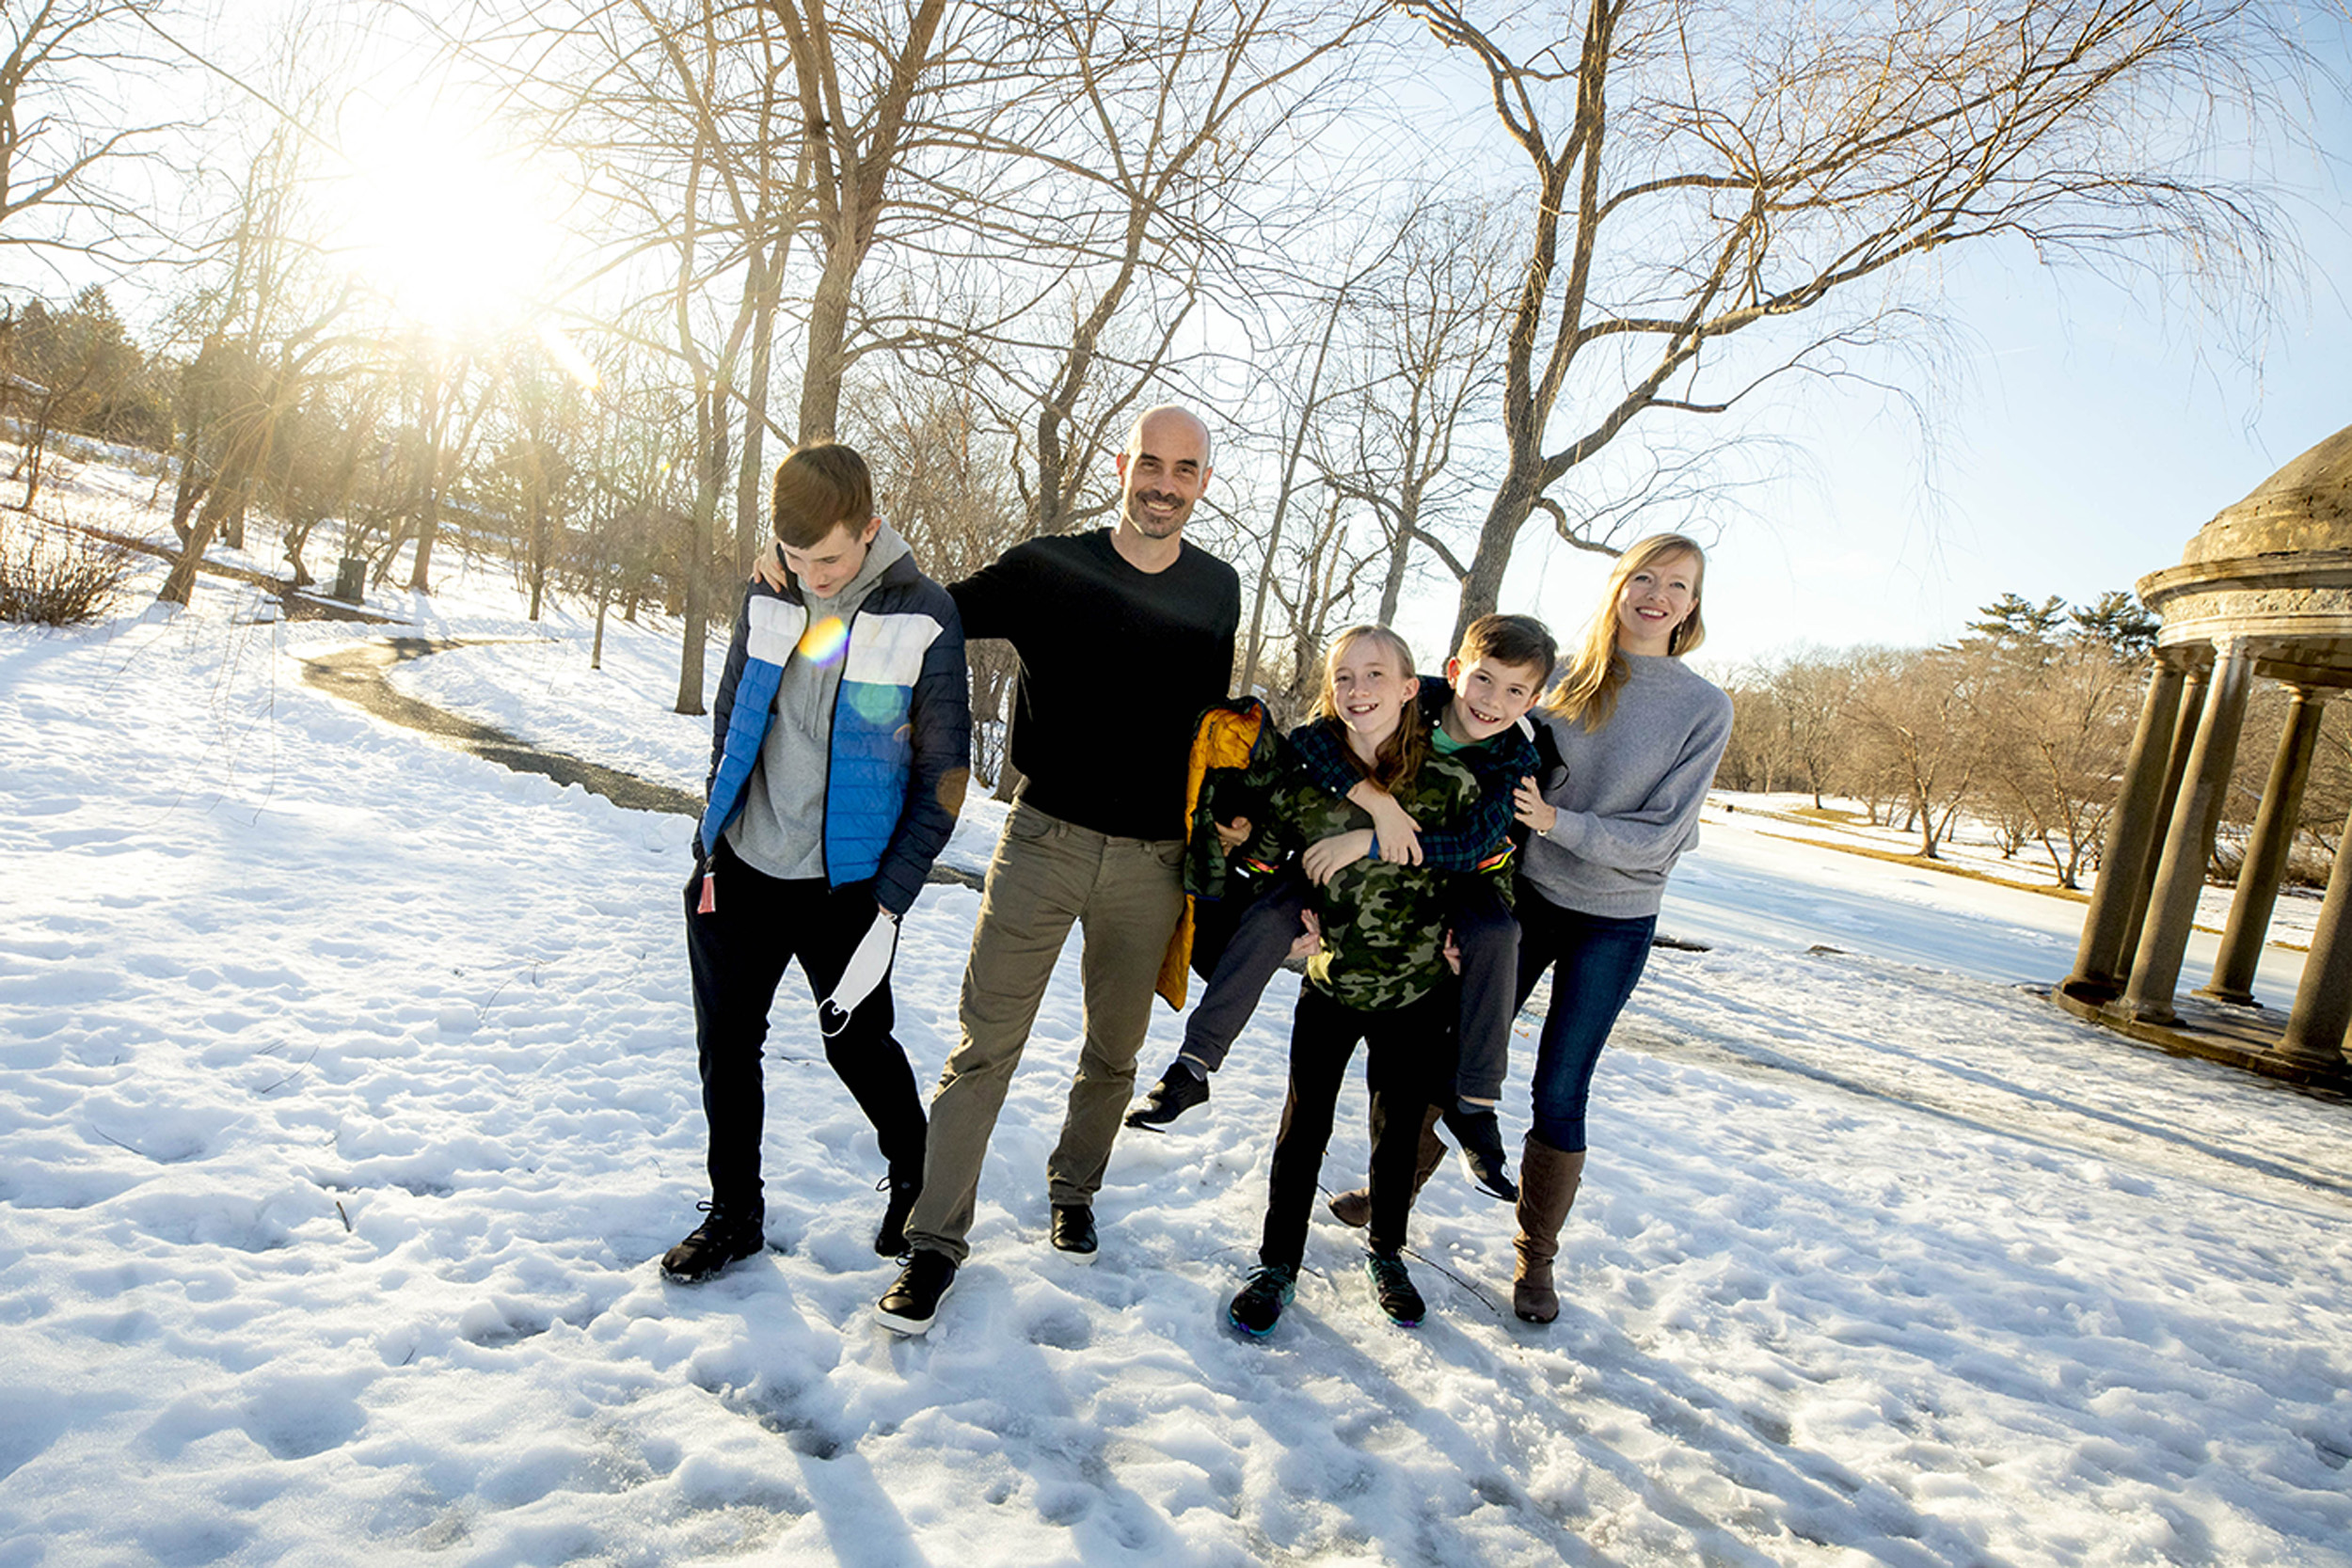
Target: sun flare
456,231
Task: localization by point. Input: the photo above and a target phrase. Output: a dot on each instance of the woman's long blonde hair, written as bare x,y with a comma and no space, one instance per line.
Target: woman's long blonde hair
1588,693
1400,755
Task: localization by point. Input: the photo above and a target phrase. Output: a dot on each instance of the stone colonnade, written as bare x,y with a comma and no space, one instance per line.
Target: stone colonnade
2161,838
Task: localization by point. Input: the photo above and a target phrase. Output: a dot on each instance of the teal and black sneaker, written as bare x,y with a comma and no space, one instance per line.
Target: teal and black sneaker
1394,1289
1259,1306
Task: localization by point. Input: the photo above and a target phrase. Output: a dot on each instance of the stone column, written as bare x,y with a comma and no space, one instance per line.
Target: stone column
2323,1003
2267,852
2124,864
2188,841
2192,707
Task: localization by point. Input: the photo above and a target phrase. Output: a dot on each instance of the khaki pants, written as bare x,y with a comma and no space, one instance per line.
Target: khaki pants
1124,894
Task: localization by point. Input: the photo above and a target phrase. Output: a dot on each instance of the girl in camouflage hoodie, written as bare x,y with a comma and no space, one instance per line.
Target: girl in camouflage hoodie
1378,978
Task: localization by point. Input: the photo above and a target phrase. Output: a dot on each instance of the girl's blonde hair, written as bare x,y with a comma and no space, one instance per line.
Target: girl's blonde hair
1400,755
1588,693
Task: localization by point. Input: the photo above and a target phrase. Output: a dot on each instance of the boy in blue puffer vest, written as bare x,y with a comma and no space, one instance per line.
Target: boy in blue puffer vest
838,753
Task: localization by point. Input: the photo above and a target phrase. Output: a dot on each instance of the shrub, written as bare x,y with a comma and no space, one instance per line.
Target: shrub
55,575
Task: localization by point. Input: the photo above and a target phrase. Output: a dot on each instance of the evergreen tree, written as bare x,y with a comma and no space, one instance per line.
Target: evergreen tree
2118,620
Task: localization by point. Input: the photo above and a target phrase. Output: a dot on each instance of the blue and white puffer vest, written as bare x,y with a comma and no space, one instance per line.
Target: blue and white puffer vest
900,734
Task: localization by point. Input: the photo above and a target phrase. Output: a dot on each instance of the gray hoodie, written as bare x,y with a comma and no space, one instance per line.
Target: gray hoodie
781,828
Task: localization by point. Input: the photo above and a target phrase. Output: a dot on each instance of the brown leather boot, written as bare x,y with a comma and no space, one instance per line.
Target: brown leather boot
1354,1206
1548,1178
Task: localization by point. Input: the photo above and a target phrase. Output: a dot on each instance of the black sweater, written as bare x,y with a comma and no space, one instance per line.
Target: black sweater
1115,666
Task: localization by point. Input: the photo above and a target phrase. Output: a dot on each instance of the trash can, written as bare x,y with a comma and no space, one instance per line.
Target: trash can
351,578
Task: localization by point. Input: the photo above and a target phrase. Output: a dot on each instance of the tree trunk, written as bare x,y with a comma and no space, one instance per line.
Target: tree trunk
1482,586
711,441
751,488
539,547
1392,580
828,333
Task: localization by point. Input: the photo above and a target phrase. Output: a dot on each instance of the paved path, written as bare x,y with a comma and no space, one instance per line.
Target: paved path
357,675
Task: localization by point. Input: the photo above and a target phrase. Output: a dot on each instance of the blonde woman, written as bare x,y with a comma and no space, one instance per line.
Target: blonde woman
1637,734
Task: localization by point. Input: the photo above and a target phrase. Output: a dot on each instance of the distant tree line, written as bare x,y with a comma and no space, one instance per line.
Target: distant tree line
2022,725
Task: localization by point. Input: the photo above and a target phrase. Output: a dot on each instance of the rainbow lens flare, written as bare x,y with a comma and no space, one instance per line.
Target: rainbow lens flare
824,640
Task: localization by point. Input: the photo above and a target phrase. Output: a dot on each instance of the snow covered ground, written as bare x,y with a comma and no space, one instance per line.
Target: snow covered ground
347,1098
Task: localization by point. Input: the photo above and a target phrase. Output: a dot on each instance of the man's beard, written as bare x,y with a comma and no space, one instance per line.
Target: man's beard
1153,526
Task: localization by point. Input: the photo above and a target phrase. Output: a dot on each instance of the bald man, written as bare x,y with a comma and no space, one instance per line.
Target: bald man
1124,634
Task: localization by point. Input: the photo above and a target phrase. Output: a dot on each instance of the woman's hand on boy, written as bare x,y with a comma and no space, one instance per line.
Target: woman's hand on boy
1532,808
768,567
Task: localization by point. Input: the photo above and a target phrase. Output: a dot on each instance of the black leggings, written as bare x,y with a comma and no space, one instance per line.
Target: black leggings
1409,1066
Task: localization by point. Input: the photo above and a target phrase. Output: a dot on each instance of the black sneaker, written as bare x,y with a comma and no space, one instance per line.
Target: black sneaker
1259,1306
1393,1288
727,1235
1480,1136
1178,1090
891,1240
910,1304
1073,1232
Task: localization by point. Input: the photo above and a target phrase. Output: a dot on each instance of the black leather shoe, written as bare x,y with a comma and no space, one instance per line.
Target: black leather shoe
912,1300
1178,1090
1074,1232
725,1237
1480,1136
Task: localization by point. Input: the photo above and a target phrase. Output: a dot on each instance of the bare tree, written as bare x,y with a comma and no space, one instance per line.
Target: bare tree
1153,140
269,323
1705,174
540,472
857,84
1914,705
2054,706
74,111
1428,321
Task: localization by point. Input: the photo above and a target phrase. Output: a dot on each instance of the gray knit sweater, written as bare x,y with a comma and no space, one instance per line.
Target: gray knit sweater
1630,792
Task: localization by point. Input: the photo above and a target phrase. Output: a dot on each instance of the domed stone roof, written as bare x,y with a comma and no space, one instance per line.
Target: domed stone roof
2306,505
2276,567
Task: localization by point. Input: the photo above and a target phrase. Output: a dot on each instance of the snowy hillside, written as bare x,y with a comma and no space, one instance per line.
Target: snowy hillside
347,1098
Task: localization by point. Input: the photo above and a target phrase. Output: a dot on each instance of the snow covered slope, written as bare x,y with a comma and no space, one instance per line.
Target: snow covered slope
347,1096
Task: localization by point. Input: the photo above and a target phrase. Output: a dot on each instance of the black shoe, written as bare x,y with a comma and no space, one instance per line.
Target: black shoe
1480,1136
911,1302
1178,1090
727,1235
1074,1232
1393,1288
1259,1306
891,1240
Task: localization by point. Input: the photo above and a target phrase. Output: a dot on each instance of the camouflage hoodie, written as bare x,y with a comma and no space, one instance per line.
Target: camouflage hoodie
1381,922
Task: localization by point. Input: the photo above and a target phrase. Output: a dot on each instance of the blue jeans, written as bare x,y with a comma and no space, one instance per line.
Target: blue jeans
1599,960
